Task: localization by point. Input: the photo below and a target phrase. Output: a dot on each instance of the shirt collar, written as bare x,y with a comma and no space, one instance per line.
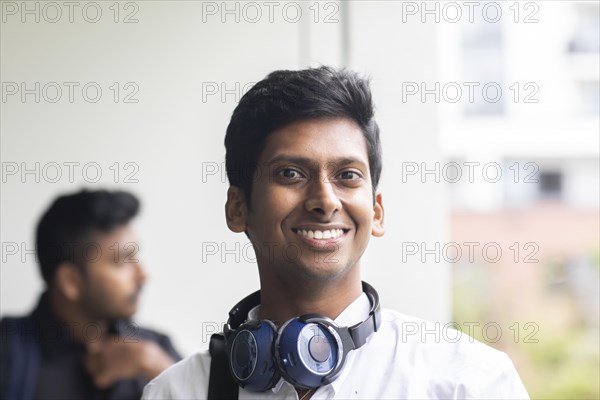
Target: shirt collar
354,313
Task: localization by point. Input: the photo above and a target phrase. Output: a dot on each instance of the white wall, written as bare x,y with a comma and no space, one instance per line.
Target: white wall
170,55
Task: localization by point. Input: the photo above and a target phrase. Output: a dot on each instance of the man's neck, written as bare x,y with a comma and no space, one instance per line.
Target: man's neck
282,300
77,322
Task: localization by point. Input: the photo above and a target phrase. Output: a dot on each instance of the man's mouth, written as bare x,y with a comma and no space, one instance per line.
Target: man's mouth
319,238
320,234
135,296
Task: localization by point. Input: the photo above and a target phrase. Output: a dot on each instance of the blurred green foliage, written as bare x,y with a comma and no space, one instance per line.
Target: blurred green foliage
565,361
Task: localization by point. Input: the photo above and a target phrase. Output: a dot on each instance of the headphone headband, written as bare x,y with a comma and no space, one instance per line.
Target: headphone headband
358,332
239,313
307,351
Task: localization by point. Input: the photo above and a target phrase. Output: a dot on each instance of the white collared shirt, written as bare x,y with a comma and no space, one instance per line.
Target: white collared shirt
407,358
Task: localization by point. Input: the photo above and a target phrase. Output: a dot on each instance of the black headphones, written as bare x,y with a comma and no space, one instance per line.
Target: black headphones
308,351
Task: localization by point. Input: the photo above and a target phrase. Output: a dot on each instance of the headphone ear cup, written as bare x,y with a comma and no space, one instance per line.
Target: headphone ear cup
306,352
250,355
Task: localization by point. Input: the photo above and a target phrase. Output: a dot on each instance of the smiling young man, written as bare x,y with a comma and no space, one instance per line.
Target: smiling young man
304,161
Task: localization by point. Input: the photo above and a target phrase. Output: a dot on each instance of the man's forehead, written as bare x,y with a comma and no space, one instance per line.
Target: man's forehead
321,141
341,161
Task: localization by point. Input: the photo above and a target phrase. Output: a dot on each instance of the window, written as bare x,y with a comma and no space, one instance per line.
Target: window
589,92
482,64
586,38
550,185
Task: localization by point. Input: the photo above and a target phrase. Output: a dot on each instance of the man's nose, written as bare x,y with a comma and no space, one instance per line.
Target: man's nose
322,197
141,273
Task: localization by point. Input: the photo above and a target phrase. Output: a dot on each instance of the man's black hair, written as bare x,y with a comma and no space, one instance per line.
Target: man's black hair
71,222
286,96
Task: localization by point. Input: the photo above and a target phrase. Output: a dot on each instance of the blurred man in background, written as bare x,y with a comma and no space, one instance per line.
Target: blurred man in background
79,341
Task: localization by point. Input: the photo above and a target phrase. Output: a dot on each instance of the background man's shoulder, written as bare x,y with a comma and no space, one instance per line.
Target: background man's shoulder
131,331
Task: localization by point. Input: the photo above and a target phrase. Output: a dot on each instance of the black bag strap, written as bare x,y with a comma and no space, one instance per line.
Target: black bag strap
221,385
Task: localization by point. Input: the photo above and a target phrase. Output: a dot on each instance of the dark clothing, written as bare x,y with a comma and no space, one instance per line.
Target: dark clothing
54,361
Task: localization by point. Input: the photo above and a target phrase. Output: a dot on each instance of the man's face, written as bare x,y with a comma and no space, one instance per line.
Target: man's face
312,210
113,277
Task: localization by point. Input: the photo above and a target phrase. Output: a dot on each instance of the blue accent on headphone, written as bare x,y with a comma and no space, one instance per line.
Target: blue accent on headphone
307,351
250,359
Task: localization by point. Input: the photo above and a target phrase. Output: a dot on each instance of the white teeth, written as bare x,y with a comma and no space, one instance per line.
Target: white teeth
329,234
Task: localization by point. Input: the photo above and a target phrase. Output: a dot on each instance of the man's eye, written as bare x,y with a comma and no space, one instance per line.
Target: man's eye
120,261
290,173
350,175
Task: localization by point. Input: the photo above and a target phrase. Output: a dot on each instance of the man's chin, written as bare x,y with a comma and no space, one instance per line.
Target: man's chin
127,311
319,270
125,314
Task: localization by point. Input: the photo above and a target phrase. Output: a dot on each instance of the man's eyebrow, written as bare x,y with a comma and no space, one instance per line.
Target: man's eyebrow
348,160
290,159
125,251
129,252
339,162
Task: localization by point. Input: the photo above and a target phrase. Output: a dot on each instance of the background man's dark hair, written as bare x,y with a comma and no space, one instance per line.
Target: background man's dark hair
286,96
72,221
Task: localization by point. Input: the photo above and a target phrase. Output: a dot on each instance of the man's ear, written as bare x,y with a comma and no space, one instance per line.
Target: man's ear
69,281
236,210
378,229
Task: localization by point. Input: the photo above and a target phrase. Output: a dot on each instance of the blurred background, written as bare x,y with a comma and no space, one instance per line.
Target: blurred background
489,114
